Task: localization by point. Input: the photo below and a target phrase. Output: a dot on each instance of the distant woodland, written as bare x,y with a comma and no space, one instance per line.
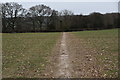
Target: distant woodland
41,18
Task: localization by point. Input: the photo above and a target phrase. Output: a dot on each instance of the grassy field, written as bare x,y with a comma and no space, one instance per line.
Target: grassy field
25,54
105,42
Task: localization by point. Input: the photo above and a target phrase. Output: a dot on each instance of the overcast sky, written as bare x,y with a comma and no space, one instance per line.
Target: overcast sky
59,0
77,6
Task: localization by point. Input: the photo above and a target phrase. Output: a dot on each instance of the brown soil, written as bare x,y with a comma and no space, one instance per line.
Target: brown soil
81,60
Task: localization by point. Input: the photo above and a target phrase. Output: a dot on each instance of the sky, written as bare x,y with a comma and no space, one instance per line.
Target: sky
77,6
59,0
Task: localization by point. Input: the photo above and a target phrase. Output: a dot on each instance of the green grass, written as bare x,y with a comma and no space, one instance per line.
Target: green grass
25,54
106,44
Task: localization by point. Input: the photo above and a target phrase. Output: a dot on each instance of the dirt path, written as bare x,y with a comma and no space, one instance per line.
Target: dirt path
64,66
72,58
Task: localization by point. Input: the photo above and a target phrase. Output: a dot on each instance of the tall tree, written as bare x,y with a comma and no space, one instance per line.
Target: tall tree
3,12
65,19
40,11
52,21
11,11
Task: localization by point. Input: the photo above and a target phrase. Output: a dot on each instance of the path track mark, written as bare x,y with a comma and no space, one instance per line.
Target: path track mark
64,64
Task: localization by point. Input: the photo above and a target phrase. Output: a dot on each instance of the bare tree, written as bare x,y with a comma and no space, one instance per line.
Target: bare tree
12,11
23,13
66,13
3,12
52,20
40,11
65,19
31,16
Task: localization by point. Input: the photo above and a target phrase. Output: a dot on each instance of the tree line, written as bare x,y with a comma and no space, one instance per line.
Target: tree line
41,18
